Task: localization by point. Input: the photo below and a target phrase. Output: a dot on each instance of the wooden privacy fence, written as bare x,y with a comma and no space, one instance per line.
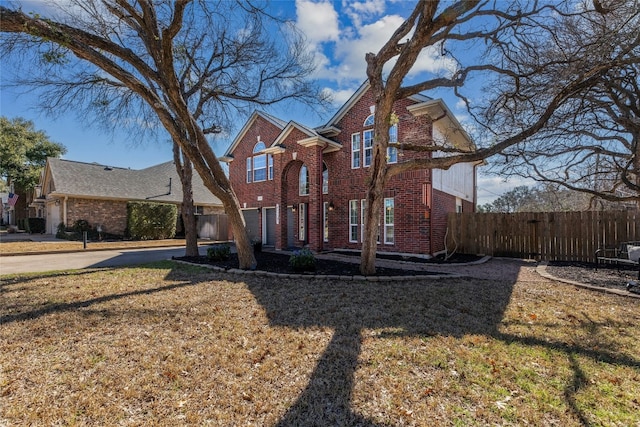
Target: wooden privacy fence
547,236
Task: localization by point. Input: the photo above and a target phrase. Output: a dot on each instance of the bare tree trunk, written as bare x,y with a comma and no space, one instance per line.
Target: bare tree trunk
185,172
377,177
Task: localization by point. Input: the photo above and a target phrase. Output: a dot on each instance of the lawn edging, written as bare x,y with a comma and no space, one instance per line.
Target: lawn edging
541,269
323,276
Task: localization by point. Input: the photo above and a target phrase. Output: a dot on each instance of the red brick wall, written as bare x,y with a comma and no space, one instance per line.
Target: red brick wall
110,214
412,219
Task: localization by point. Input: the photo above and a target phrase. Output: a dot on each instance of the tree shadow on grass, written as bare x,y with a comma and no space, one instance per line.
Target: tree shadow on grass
70,306
445,307
449,307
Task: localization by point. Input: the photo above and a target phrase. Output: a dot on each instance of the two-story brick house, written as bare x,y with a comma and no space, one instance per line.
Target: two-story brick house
301,186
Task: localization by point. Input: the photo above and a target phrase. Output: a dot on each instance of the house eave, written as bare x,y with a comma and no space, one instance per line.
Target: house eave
437,110
328,145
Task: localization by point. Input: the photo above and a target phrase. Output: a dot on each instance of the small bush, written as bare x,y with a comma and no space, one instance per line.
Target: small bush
151,221
218,252
81,225
302,260
36,225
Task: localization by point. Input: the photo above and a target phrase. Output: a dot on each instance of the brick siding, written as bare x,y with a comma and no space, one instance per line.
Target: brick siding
413,220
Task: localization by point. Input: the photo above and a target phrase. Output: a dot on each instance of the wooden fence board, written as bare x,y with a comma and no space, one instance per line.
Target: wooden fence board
549,236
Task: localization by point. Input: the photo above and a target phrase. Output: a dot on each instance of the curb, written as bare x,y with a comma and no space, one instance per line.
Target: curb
541,269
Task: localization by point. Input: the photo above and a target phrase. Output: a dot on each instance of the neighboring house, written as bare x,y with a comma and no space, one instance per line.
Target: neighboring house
301,186
71,191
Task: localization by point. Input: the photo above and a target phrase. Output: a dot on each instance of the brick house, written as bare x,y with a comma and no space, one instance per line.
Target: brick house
301,186
71,191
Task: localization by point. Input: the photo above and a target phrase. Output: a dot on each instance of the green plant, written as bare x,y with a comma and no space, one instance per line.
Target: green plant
219,252
302,260
149,220
81,225
36,225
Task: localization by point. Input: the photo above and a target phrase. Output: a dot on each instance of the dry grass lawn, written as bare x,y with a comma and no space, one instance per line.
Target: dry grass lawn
169,344
26,247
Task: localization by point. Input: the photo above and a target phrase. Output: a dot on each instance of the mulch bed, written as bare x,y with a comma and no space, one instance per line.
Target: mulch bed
279,263
608,276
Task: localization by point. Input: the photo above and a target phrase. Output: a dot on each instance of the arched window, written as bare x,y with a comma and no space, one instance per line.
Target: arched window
304,181
325,179
369,121
259,166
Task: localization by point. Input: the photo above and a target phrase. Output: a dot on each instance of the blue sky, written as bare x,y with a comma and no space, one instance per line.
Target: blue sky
339,35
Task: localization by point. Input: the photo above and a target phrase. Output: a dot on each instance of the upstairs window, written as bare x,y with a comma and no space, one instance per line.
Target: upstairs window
367,136
259,166
392,152
365,152
369,121
355,151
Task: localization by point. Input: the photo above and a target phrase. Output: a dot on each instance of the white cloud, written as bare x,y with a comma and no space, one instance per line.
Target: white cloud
430,60
350,52
340,39
357,11
318,21
339,97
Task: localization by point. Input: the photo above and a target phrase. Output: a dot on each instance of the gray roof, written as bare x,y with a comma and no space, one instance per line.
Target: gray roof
93,180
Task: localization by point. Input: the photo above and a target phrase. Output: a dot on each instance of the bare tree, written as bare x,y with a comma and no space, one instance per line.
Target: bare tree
500,41
591,144
189,65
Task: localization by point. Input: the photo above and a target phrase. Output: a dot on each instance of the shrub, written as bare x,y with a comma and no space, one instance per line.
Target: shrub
36,225
81,225
218,252
150,220
302,260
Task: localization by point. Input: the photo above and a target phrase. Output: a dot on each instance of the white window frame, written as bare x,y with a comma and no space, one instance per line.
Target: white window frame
367,149
389,221
303,186
325,222
302,221
353,221
262,158
325,178
251,164
249,169
356,149
392,152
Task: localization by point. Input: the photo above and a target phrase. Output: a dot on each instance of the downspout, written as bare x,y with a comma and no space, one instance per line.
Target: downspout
322,212
430,202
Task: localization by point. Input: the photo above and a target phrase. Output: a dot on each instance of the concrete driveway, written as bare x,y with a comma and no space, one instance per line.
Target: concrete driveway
85,259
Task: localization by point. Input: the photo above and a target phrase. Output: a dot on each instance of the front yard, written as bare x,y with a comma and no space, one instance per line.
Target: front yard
170,344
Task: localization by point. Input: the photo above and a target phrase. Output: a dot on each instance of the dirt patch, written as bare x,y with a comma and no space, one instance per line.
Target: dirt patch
613,277
279,263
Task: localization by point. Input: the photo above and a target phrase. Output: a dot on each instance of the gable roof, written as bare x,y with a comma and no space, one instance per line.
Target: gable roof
330,128
313,137
280,124
92,180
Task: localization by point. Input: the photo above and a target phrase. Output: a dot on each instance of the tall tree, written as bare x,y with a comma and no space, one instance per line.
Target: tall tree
189,65
500,42
24,151
592,143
